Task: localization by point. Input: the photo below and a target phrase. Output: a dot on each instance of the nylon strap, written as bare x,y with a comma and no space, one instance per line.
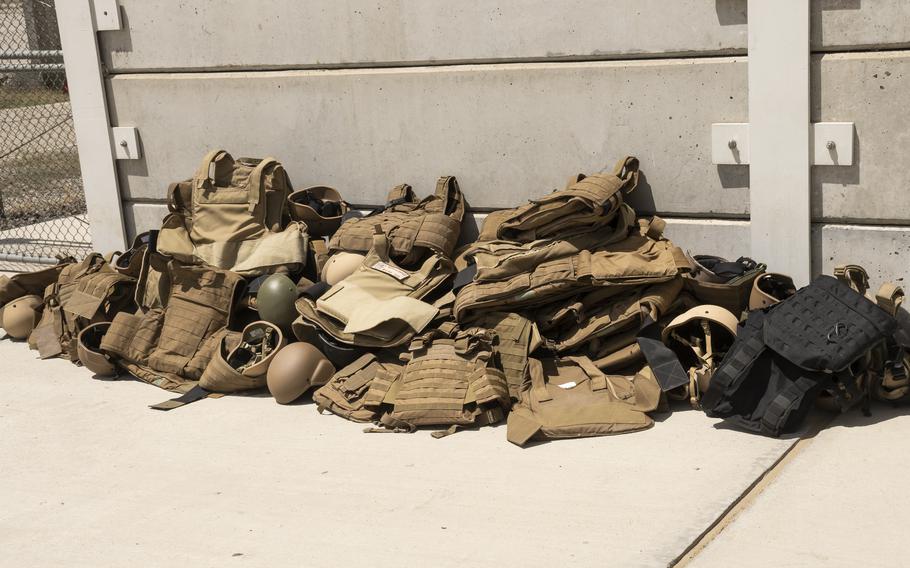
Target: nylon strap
889,297
775,416
254,183
192,395
853,275
663,361
464,277
736,363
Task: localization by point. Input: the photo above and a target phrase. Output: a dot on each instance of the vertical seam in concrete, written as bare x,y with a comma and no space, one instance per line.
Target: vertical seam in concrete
749,495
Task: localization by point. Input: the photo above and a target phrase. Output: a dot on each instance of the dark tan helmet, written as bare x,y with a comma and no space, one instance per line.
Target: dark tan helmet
770,288
21,315
275,300
320,207
242,365
340,266
296,369
89,350
700,337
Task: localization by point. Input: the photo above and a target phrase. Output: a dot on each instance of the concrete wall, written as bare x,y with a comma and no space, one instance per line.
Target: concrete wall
512,97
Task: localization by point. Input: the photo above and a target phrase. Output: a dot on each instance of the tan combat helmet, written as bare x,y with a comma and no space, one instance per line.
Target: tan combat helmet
296,369
320,207
244,365
770,288
700,337
89,350
21,315
340,266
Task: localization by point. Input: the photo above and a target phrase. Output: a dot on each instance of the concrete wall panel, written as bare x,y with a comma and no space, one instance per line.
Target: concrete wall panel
844,25
872,90
509,132
237,34
884,251
319,33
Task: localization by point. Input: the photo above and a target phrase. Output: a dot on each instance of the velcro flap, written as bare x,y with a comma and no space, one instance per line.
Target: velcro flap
413,312
520,428
82,304
47,341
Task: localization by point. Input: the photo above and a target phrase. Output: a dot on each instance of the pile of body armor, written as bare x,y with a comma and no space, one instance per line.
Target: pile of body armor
569,315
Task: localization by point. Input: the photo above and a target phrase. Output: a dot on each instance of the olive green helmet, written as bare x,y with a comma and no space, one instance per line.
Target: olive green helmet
21,315
275,300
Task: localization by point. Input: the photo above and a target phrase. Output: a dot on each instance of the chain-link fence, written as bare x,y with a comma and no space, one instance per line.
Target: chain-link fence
42,202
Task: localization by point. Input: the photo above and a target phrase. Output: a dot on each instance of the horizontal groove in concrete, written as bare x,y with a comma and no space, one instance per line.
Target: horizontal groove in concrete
864,50
633,57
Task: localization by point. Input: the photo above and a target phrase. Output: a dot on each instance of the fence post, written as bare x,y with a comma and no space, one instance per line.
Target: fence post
779,135
90,119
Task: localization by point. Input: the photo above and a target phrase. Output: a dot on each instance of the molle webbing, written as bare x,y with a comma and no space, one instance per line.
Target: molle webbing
517,337
346,393
449,380
587,202
635,261
433,223
86,292
600,316
170,347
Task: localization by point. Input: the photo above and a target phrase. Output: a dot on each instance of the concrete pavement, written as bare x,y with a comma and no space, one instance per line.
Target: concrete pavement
89,476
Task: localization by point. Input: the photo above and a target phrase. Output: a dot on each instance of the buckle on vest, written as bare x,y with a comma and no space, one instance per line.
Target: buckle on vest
838,332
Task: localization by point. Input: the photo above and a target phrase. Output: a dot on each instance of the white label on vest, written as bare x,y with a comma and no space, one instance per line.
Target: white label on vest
392,271
569,385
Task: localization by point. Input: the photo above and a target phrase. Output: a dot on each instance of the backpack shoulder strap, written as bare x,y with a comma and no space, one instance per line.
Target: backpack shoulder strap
399,194
775,417
746,350
538,382
452,200
889,297
205,172
180,197
854,276
255,188
574,179
626,169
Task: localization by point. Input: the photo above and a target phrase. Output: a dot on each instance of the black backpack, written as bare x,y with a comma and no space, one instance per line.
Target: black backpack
784,356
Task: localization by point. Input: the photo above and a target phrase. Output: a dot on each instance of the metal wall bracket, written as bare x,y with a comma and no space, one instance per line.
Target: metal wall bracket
107,15
832,143
126,142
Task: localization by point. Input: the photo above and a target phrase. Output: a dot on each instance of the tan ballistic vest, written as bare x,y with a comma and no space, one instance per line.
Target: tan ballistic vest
29,283
233,215
571,398
450,379
379,305
588,203
87,292
170,346
636,261
517,336
413,227
590,321
345,394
